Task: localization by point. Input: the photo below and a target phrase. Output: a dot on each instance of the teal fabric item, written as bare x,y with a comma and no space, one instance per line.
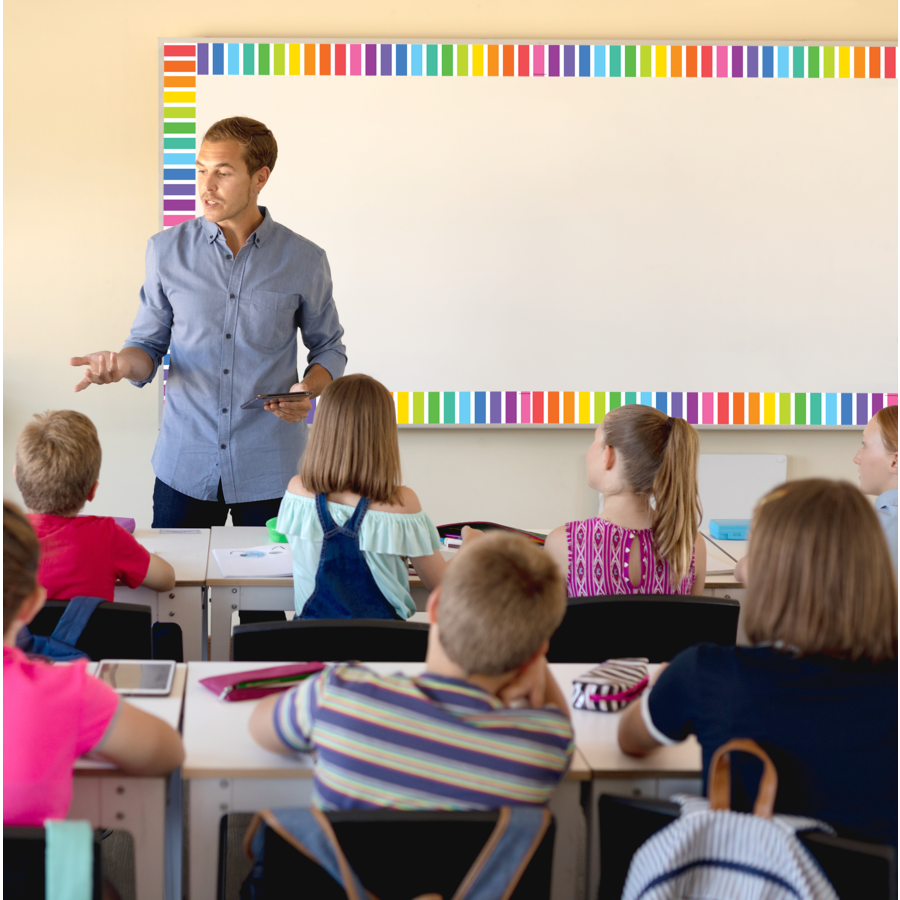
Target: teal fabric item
69,860
385,539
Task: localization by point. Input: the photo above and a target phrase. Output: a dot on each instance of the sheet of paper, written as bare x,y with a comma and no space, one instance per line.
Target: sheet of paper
717,567
267,561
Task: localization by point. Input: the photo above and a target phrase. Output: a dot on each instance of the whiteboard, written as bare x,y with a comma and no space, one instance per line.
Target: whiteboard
592,234
731,484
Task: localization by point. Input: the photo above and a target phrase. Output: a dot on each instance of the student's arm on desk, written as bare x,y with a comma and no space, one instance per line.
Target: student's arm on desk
140,743
634,737
262,726
160,575
740,570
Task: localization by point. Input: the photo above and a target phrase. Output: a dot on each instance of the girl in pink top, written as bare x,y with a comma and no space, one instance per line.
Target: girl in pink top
646,540
52,714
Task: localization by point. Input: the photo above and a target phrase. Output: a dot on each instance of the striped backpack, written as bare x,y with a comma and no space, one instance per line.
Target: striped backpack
713,853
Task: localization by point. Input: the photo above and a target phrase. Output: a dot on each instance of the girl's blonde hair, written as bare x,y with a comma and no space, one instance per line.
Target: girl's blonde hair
659,458
820,573
887,422
353,446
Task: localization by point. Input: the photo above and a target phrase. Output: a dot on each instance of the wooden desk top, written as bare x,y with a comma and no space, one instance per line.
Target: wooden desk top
167,708
185,550
596,738
236,537
217,740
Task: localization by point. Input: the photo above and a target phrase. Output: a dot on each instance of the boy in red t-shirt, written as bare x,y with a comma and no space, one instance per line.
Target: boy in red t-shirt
57,464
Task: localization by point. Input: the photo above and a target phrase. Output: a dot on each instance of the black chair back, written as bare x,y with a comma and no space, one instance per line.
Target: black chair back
114,631
438,849
24,875
857,870
657,626
328,640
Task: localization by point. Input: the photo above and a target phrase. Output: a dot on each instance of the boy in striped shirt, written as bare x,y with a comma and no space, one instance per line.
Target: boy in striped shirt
486,725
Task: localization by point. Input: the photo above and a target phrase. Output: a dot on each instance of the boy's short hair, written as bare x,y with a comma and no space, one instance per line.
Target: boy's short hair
21,552
501,598
887,422
57,462
820,577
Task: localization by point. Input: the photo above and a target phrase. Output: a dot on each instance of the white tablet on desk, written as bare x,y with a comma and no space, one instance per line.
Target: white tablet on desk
138,677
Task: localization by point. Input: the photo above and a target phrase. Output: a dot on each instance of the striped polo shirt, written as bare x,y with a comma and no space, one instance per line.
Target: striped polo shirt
428,742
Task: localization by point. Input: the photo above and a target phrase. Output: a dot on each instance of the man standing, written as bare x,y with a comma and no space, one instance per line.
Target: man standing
225,295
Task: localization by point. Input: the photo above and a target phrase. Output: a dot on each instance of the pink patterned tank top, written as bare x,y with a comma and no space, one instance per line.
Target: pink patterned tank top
599,553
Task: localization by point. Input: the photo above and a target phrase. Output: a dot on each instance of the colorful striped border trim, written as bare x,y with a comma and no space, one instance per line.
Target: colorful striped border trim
184,61
590,407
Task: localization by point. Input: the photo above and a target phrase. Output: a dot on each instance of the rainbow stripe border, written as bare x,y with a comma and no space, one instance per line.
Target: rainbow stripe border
590,407
184,60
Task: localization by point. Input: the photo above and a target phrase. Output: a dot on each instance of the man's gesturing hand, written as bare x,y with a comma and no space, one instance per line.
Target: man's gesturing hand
291,410
103,367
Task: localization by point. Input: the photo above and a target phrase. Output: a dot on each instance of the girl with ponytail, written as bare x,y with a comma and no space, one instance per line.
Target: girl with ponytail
646,540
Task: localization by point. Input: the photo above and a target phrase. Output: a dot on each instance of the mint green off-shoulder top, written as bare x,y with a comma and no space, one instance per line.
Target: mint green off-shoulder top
385,539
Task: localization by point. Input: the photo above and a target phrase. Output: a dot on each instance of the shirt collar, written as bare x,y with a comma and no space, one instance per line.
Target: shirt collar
888,498
258,237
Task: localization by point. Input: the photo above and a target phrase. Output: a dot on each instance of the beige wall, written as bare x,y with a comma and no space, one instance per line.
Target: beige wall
80,200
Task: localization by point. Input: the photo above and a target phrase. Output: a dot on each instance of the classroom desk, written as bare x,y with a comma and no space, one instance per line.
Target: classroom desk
228,595
186,550
147,807
664,772
230,773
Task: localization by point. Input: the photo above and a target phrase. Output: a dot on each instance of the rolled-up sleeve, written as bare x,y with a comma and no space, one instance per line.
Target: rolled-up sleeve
320,326
152,327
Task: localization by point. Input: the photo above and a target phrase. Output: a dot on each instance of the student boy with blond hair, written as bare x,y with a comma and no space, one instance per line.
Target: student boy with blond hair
449,738
57,466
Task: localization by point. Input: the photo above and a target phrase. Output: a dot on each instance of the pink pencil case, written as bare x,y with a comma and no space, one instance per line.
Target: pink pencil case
260,682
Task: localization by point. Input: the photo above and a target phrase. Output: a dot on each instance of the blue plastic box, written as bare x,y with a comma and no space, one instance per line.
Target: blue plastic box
729,529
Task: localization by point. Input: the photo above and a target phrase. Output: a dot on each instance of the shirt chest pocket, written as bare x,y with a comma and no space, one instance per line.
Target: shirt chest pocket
267,321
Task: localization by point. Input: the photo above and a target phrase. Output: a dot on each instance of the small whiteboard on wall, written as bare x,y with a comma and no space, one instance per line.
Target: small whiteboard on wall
536,233
731,484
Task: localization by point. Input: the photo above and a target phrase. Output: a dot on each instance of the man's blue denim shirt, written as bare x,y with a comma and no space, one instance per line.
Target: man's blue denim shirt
230,326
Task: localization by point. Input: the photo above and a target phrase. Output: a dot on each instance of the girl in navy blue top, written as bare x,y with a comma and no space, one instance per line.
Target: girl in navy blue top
818,688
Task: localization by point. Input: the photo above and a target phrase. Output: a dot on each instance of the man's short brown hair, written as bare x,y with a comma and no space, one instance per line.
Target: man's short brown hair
57,462
820,576
20,562
258,146
501,598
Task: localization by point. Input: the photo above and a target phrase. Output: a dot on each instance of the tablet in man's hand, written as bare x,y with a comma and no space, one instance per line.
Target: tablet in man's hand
260,400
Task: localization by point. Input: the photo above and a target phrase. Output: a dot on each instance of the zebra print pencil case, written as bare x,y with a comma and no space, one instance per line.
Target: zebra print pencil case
611,686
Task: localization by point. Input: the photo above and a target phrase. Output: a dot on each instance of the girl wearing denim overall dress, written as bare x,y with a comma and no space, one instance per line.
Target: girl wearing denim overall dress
349,522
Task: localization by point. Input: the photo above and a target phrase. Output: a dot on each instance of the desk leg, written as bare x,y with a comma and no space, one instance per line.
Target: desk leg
212,798
569,847
185,606
223,602
139,806
618,787
208,801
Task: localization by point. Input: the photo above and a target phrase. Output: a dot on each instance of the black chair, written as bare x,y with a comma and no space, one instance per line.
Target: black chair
114,631
23,864
327,640
657,626
858,871
437,850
